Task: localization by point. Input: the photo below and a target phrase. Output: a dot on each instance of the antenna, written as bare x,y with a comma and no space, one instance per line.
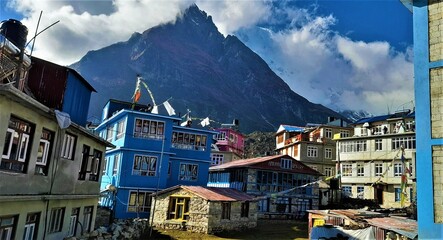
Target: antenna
36,29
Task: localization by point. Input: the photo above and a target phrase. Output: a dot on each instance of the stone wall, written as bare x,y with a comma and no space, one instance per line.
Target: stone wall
437,165
204,216
435,12
436,89
236,222
198,209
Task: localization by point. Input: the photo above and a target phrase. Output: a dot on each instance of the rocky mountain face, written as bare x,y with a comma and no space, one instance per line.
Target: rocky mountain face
203,71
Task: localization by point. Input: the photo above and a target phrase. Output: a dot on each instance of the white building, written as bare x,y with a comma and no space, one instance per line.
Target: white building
373,160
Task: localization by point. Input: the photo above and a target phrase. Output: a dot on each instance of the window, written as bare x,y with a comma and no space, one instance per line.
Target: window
378,145
217,159
328,133
31,226
347,169
406,142
188,172
347,190
286,163
139,201
43,152
116,163
398,169
344,133
84,164
110,133
360,192
7,227
56,220
397,194
220,136
17,147
120,129
360,170
144,165
280,138
68,146
87,218
178,208
189,141
328,153
95,163
378,169
244,209
226,210
353,146
105,165
328,171
73,221
312,151
145,128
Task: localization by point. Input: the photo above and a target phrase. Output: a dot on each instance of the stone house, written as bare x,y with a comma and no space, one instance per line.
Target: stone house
203,209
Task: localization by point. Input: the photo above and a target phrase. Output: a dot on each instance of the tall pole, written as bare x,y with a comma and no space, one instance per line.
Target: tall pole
156,190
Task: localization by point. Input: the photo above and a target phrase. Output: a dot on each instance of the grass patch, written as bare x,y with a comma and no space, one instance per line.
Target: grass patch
265,230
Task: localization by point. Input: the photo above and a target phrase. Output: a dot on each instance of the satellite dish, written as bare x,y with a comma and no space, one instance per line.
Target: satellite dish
366,125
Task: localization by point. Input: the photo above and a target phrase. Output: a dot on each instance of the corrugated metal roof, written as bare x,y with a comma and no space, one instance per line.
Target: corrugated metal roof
212,193
290,128
404,226
401,225
298,166
219,194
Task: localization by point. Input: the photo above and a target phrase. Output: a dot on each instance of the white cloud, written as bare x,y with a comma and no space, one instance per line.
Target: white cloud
322,65
230,16
331,69
83,27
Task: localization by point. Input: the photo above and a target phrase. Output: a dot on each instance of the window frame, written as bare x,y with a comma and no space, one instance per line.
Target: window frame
397,194
285,163
116,164
244,209
328,133
88,212
120,129
217,159
134,204
360,189
56,220
68,147
312,151
378,169
141,161
328,153
148,128
360,170
173,208
346,169
378,144
11,131
398,169
187,174
226,210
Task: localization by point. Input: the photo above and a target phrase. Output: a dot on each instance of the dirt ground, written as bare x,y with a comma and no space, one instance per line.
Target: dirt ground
265,230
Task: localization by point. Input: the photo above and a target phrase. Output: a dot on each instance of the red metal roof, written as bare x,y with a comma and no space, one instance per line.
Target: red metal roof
213,193
219,194
297,166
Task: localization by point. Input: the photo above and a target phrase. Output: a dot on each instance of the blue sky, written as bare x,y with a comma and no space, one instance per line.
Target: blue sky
344,54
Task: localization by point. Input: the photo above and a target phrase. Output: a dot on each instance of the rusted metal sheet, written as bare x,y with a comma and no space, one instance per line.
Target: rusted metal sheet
47,82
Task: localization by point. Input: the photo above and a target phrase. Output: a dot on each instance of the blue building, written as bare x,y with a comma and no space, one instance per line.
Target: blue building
153,152
428,71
